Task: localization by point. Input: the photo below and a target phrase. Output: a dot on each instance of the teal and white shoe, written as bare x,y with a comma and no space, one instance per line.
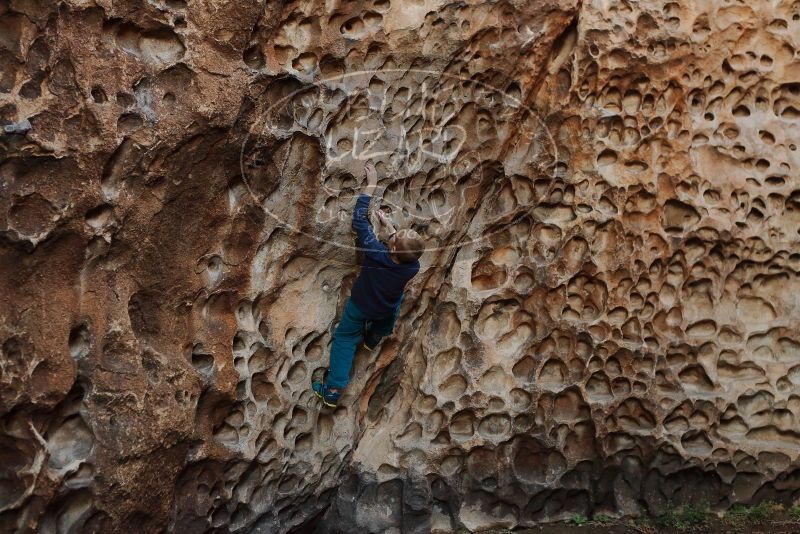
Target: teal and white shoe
329,398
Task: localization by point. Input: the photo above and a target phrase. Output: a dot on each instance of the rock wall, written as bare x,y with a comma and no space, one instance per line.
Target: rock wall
606,319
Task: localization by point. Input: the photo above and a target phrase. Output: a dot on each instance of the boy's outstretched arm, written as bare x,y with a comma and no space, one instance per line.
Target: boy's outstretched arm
372,178
361,225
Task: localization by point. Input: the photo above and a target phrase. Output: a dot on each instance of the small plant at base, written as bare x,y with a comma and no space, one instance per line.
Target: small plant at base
683,517
794,512
741,515
602,518
578,519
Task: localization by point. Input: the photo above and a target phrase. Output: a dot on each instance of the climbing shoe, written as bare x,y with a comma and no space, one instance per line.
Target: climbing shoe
369,341
329,398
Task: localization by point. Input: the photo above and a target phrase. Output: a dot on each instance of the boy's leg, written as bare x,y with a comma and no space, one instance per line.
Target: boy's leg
343,348
380,328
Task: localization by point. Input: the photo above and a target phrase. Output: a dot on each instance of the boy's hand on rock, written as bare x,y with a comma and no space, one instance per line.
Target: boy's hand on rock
372,178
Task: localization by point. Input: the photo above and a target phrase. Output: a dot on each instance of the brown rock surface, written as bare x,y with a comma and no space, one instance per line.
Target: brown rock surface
606,319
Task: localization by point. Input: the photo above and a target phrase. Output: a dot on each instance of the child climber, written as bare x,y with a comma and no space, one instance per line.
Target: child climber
374,302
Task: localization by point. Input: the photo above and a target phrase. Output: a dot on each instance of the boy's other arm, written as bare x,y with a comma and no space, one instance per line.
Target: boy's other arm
386,223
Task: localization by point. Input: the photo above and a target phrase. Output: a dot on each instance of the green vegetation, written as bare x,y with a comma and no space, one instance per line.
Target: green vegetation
682,517
767,516
794,512
602,518
741,516
578,519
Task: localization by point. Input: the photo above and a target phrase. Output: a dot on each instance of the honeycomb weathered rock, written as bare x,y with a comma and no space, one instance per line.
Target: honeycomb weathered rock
606,319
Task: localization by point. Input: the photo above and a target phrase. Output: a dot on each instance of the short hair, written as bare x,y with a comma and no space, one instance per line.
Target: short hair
408,245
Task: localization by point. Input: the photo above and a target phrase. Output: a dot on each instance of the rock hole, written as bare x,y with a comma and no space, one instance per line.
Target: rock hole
100,216
607,157
161,46
129,122
261,387
351,28
69,443
203,362
741,111
453,387
124,99
79,341
254,58
98,95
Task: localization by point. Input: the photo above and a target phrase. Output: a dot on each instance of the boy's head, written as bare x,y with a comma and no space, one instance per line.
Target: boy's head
406,245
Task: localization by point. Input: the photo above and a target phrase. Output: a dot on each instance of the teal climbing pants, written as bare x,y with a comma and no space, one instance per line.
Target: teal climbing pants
347,337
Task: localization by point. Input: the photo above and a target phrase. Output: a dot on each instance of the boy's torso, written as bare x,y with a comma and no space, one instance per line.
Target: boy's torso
380,285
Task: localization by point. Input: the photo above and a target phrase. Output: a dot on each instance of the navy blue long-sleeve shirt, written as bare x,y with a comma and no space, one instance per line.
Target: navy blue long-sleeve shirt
381,282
